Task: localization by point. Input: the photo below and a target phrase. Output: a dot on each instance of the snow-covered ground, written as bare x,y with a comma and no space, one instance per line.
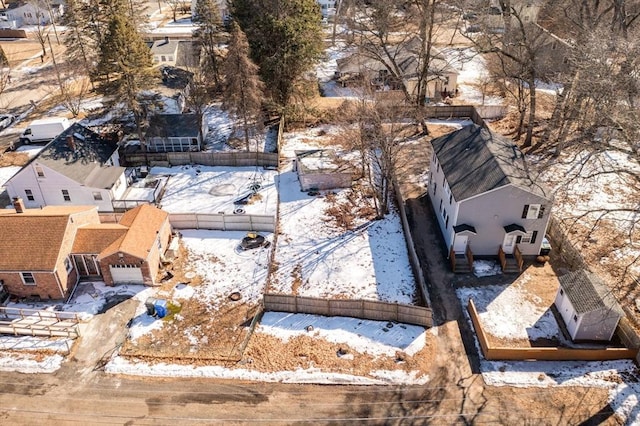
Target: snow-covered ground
7,173
203,189
499,317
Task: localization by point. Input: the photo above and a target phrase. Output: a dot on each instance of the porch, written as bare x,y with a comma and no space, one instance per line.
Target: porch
462,263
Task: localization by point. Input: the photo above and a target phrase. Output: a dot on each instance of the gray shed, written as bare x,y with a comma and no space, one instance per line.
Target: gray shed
588,308
321,169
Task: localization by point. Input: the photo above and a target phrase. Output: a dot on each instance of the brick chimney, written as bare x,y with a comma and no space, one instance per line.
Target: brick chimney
71,143
18,204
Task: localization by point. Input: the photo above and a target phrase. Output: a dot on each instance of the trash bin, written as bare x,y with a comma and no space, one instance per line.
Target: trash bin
150,305
161,308
545,247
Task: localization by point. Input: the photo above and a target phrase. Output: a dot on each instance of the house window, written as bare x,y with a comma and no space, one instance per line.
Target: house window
163,58
561,292
533,211
444,181
529,237
28,278
39,171
441,205
97,196
450,197
575,318
67,265
29,194
446,223
65,195
435,187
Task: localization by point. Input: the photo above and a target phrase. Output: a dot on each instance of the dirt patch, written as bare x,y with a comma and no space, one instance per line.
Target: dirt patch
268,354
13,159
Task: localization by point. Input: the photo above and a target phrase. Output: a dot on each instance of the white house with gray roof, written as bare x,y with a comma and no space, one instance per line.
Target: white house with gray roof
484,199
586,305
79,167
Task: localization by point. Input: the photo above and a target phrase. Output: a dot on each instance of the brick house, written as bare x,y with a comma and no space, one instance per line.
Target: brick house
52,248
135,256
35,258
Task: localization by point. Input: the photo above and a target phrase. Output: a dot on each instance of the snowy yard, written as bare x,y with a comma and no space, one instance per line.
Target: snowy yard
203,189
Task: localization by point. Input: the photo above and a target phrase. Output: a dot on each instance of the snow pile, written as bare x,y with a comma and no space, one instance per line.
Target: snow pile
486,268
27,363
372,337
7,173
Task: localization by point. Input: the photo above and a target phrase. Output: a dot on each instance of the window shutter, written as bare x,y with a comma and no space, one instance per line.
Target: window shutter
541,212
534,236
525,211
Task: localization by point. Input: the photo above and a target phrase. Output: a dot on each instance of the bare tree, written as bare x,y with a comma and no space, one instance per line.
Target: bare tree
175,6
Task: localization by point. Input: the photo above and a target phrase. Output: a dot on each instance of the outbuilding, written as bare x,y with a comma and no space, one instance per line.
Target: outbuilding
587,306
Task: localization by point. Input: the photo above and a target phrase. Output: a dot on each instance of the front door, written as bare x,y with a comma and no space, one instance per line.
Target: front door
460,244
509,243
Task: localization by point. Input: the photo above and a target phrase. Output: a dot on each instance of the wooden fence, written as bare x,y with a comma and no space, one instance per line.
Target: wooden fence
167,159
494,353
365,309
223,222
559,242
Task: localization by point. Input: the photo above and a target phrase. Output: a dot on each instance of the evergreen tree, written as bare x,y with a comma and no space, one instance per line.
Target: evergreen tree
242,88
207,18
126,62
285,38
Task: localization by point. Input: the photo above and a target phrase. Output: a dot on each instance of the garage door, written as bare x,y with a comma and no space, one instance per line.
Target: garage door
126,274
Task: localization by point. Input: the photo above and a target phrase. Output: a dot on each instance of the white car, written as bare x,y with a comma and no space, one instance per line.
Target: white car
6,120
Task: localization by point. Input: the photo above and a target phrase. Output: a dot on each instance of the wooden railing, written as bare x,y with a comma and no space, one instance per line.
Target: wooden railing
503,258
469,256
452,258
518,256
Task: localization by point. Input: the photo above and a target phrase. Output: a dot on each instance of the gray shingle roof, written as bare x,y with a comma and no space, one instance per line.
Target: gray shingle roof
475,161
164,47
587,292
174,125
84,162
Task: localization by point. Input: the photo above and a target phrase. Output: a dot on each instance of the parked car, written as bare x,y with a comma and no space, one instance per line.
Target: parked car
6,120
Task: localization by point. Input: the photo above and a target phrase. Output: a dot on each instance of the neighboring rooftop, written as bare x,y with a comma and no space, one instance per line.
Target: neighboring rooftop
80,154
174,125
475,161
318,160
587,292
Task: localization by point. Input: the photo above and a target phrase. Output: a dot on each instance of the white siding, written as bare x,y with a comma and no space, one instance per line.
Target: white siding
440,194
47,190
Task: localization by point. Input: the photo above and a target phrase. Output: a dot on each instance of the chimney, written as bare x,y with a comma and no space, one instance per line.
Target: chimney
166,39
71,143
18,204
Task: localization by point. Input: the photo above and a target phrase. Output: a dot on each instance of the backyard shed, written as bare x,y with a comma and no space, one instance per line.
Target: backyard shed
587,306
321,169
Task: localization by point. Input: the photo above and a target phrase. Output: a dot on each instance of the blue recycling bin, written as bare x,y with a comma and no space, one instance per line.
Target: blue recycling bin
161,308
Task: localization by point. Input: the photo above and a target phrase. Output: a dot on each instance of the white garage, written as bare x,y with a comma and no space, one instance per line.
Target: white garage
125,273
